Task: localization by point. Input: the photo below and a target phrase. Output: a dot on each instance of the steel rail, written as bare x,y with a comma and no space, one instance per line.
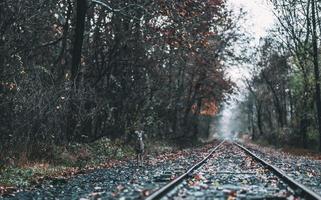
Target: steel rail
301,189
171,185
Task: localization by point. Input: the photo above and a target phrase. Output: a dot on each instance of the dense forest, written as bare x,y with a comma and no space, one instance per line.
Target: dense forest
80,70
160,99
283,104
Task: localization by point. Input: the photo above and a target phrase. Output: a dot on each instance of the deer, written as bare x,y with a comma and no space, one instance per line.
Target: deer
139,147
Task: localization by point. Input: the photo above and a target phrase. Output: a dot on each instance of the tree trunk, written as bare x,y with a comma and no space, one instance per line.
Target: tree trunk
304,114
259,118
76,57
79,37
251,120
316,70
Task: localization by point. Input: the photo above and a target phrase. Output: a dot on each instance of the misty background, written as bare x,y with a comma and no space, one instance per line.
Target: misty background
258,20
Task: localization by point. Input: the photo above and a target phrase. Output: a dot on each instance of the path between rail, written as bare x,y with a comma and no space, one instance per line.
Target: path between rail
129,182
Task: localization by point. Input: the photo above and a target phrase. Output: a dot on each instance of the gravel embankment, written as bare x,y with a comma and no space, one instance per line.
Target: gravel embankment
304,169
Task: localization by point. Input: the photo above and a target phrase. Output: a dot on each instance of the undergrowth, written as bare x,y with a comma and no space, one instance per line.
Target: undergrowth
65,160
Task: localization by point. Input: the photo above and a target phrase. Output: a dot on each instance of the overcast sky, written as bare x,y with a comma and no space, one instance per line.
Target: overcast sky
259,17
258,20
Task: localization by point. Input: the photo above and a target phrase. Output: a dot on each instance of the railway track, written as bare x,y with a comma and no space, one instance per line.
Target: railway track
231,171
